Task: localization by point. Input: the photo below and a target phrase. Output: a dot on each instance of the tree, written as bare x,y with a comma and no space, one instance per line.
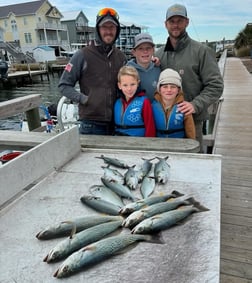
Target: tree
244,38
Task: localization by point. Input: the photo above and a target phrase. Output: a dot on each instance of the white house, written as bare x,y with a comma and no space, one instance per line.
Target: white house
44,53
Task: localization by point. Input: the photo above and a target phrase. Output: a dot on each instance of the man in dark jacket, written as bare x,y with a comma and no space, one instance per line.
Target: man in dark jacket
202,82
95,67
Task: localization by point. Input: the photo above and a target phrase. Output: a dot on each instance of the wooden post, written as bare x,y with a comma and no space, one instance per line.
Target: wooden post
33,119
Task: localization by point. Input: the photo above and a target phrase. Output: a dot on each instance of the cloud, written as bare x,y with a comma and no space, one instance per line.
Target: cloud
208,19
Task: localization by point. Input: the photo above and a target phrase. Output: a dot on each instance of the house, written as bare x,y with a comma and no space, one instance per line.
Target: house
29,25
79,33
127,34
44,53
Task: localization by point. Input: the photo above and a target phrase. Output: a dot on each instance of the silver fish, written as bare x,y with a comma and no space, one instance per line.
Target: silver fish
114,161
119,189
113,175
81,239
131,178
144,169
147,186
165,220
162,170
107,194
99,251
100,205
64,228
130,207
137,216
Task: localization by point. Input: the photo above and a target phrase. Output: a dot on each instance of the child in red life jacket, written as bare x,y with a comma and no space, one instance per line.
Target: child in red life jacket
132,111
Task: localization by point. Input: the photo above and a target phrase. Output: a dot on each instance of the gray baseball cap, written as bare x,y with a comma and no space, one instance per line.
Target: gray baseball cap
143,38
176,10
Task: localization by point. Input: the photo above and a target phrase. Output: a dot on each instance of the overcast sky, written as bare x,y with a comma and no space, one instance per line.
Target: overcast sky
210,20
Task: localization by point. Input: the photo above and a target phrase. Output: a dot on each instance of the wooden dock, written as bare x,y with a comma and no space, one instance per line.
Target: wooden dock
234,142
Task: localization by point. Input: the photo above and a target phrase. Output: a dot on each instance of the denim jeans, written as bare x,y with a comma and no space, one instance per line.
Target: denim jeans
95,128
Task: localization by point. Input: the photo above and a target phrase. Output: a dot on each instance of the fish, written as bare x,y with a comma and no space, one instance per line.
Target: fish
100,251
114,161
144,169
64,228
162,170
119,189
81,239
113,175
106,193
137,216
147,187
165,220
133,206
100,205
131,178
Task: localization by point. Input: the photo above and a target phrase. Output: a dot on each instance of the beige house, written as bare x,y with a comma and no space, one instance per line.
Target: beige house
28,25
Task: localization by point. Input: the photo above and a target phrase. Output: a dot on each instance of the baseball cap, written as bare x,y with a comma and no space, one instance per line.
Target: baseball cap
176,10
107,19
143,38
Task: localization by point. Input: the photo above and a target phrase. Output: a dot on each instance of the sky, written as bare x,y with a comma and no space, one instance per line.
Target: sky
211,20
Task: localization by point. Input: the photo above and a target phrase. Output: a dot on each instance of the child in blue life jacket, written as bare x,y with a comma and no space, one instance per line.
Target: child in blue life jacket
169,122
132,111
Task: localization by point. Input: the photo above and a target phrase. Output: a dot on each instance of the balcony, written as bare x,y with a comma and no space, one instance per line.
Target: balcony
50,26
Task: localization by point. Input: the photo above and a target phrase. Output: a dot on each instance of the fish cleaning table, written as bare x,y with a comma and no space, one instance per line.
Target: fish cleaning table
190,254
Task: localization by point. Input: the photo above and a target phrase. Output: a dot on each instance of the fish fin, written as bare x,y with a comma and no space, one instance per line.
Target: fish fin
74,229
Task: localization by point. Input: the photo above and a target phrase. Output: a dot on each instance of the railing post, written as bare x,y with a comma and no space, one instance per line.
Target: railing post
33,119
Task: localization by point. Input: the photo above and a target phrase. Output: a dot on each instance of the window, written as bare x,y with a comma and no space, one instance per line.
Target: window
25,21
6,23
28,38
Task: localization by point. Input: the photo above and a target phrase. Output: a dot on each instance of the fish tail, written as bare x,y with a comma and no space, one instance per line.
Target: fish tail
200,207
190,201
176,194
155,238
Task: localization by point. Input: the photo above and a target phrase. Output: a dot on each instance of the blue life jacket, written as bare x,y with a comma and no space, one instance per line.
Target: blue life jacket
130,122
174,128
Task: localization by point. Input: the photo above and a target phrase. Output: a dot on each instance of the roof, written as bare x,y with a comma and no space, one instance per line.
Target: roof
72,15
44,47
26,8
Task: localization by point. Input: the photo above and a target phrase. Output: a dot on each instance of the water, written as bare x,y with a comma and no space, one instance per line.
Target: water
49,94
48,90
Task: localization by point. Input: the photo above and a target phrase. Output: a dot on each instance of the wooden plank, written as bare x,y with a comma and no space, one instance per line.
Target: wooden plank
19,105
139,143
224,278
236,268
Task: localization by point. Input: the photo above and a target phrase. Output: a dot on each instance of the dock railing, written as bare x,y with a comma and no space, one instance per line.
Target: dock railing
28,104
214,110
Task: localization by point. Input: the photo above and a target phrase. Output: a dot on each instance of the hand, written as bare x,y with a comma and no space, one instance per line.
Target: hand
186,108
156,61
83,99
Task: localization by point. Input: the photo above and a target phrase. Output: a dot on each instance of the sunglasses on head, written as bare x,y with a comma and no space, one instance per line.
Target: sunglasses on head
106,11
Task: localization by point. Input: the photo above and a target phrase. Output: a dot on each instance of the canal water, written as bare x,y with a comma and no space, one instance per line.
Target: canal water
47,88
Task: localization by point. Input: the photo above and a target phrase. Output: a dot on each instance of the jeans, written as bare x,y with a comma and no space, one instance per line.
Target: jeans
95,128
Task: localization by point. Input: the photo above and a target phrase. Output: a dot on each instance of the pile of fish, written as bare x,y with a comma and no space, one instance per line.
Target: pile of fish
121,212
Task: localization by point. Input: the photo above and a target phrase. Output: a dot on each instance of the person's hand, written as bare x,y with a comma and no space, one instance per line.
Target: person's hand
83,99
156,61
186,108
